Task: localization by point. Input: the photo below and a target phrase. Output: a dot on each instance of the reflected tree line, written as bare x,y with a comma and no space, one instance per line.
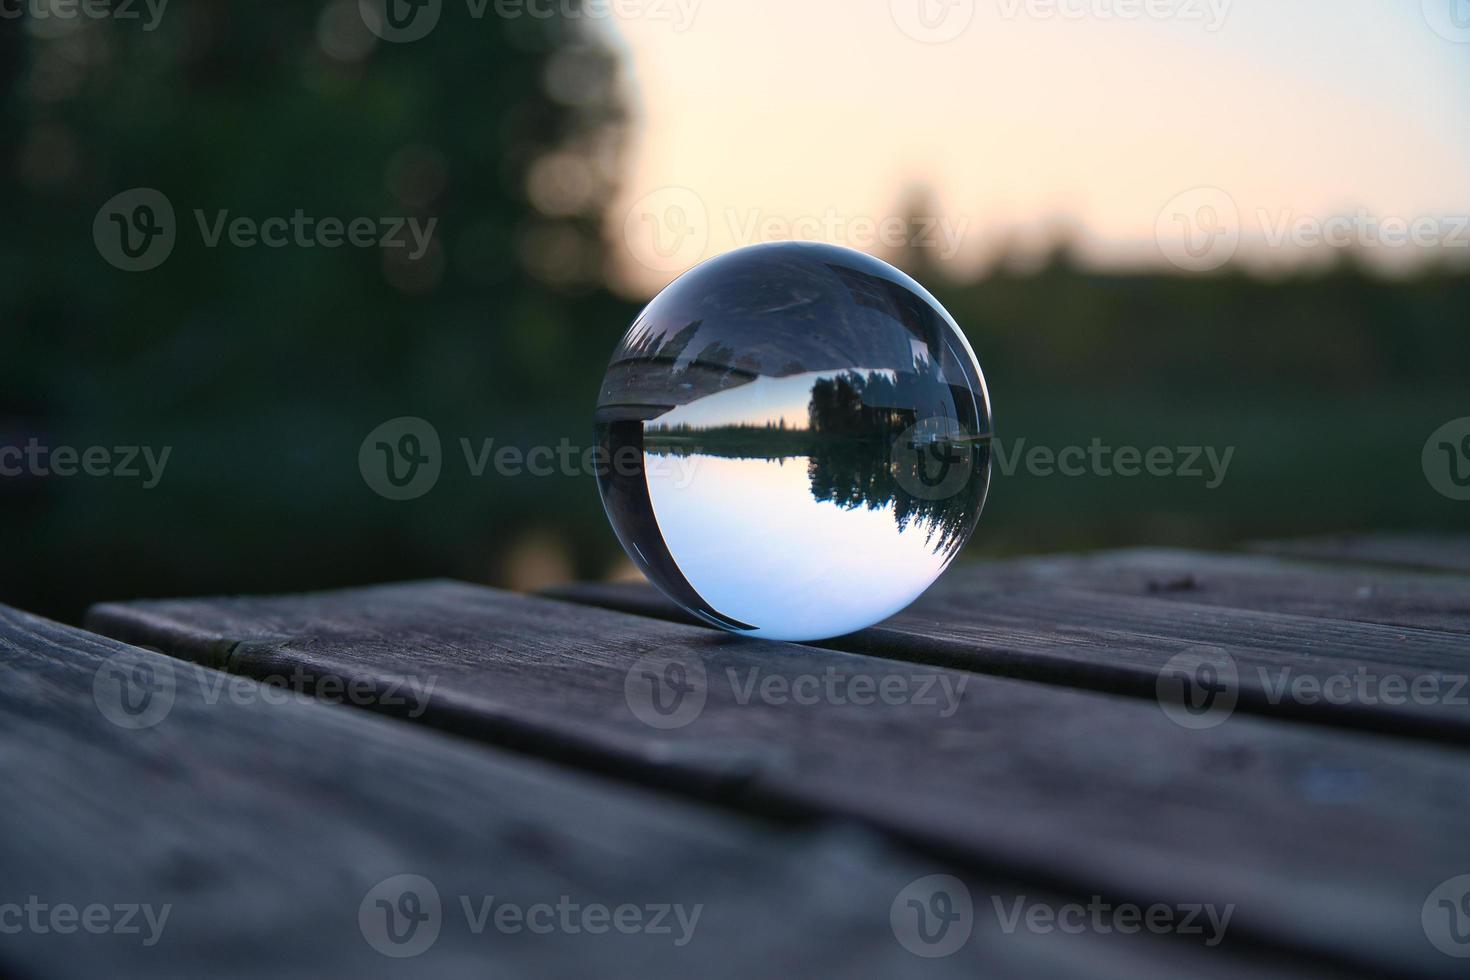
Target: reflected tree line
864,447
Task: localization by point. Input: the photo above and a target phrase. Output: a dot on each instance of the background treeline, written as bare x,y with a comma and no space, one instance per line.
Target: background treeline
263,369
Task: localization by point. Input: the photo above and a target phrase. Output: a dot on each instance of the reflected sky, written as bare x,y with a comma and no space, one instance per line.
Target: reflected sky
763,550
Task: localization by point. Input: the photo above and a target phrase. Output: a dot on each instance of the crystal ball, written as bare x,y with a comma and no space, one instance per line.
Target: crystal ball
794,441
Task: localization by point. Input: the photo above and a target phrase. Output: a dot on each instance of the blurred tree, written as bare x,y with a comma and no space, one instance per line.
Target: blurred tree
263,368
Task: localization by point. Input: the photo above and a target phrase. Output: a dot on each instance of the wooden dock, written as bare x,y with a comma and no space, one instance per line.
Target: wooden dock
1144,763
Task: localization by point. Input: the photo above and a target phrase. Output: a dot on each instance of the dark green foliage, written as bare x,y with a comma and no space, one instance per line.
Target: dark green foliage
264,369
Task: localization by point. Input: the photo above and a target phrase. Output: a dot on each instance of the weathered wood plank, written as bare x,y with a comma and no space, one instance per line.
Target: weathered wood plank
1355,593
1028,620
1327,842
1445,552
265,823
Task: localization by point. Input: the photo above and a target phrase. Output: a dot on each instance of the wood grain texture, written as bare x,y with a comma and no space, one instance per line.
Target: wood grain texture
263,820
1353,593
1114,622
1325,841
1443,552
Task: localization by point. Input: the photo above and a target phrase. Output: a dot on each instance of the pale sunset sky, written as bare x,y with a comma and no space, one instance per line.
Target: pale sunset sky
755,117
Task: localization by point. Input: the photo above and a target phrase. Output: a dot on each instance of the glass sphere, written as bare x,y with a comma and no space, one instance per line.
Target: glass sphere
795,439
